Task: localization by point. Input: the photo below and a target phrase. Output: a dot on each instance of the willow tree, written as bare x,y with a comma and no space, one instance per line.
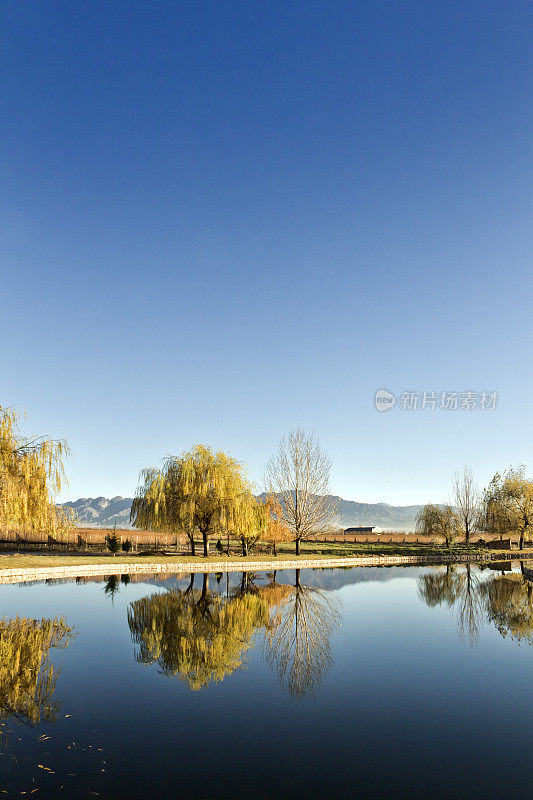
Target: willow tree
298,474
251,522
27,675
508,503
438,521
200,490
31,473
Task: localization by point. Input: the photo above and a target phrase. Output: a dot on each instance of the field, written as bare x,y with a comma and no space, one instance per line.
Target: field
92,540
87,545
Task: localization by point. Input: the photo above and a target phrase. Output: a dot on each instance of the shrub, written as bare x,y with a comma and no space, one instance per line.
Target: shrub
126,545
112,543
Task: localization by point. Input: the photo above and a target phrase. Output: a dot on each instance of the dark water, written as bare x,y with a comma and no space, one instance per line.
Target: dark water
400,683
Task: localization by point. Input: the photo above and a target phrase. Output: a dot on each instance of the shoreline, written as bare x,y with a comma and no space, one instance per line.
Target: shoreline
29,574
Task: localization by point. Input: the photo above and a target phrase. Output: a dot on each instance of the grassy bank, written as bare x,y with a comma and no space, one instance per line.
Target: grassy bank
17,560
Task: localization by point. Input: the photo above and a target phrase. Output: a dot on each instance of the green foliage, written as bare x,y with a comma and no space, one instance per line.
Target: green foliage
112,543
508,504
112,586
219,546
439,521
200,490
126,545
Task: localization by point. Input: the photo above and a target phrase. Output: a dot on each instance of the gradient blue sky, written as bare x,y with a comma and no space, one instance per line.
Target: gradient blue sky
222,220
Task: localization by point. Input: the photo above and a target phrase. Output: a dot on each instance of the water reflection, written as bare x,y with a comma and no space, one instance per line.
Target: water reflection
509,604
201,636
27,675
298,639
112,584
197,635
504,600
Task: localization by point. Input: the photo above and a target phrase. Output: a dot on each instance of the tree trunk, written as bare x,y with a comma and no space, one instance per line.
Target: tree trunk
244,547
297,545
193,545
521,545
275,552
191,583
205,586
467,532
205,537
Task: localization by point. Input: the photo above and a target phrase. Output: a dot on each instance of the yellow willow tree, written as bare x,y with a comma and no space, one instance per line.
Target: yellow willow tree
508,504
251,522
438,521
200,490
31,473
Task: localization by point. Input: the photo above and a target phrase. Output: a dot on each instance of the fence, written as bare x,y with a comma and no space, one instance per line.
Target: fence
486,539
91,539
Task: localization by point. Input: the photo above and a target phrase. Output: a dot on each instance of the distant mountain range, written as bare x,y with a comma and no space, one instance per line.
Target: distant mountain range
103,512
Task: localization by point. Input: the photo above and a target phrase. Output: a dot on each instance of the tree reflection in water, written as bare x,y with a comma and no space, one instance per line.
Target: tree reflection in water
201,636
27,675
505,600
198,636
509,604
298,638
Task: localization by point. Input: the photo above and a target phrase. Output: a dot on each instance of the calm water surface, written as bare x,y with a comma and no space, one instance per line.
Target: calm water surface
392,682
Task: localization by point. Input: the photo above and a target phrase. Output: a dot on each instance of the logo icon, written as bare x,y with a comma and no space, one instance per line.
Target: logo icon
384,400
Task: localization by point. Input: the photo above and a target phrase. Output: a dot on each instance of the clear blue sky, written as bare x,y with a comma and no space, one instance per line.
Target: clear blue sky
223,219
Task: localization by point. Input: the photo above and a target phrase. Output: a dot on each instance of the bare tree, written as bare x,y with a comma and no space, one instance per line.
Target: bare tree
466,499
298,474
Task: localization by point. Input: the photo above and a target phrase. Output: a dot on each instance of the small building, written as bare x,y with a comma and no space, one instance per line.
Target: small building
362,529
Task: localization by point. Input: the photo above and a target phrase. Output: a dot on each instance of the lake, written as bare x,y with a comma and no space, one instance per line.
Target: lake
397,682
